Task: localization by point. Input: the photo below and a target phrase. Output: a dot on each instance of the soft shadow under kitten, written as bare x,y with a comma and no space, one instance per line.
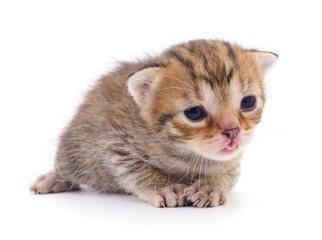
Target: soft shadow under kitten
169,129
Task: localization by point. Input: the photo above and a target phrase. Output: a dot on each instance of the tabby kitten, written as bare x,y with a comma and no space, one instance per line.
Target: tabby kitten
169,129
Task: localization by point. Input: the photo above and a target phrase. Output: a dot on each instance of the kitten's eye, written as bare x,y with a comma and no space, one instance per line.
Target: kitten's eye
195,113
248,103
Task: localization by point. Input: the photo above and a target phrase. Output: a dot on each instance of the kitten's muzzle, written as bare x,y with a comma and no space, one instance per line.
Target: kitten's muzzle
231,133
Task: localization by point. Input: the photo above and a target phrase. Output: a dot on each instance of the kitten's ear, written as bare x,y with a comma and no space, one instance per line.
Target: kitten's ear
140,83
265,60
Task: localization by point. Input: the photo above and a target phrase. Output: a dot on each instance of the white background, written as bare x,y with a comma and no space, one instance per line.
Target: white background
51,52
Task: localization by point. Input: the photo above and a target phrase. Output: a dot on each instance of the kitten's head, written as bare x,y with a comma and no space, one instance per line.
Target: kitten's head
206,97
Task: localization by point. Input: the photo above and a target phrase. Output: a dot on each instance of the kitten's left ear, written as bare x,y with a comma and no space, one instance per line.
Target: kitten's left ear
265,60
140,83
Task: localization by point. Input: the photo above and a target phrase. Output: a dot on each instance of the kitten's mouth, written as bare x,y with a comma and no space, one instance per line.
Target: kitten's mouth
230,148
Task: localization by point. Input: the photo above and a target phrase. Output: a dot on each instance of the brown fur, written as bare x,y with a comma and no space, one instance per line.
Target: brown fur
143,145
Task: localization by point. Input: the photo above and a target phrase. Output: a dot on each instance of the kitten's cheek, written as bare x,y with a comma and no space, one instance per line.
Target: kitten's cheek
244,139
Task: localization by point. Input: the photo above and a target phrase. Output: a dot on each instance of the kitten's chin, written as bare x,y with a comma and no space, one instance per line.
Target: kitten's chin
225,154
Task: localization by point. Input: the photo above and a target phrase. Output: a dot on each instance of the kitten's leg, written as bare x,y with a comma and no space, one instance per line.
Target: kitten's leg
211,190
51,183
151,185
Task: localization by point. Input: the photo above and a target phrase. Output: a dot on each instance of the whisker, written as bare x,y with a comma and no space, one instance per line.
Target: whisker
192,174
205,168
185,101
179,160
251,69
246,80
178,80
188,90
202,161
190,165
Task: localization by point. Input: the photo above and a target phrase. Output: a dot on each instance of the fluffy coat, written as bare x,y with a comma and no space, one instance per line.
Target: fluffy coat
133,133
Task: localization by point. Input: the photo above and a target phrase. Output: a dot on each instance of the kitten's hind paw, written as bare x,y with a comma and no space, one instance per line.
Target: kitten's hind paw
50,183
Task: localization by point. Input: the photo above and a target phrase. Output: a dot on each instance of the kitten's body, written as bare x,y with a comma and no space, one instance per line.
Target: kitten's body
133,135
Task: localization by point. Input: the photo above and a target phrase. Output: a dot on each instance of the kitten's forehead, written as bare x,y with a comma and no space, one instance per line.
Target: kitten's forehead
218,98
218,70
213,62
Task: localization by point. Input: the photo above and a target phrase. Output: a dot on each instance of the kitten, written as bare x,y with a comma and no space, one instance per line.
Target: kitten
169,129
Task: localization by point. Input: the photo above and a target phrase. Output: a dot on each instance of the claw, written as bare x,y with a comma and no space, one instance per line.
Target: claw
162,204
209,201
220,202
178,203
185,195
196,202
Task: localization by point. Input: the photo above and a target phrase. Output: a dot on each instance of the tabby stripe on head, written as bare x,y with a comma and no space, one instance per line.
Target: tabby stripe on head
199,54
191,48
208,80
212,76
231,52
164,119
185,62
229,76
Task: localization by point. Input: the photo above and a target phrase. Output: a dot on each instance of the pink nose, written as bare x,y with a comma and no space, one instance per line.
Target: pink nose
231,133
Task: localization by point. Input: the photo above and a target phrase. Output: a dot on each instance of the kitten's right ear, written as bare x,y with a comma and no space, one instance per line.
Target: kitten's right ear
265,60
140,83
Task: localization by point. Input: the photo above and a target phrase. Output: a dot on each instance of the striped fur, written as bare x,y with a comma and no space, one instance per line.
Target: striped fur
131,134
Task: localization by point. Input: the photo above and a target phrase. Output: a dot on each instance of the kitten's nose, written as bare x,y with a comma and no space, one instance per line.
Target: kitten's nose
231,133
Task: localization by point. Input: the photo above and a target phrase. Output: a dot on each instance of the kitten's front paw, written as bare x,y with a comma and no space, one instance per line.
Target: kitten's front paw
166,197
204,197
